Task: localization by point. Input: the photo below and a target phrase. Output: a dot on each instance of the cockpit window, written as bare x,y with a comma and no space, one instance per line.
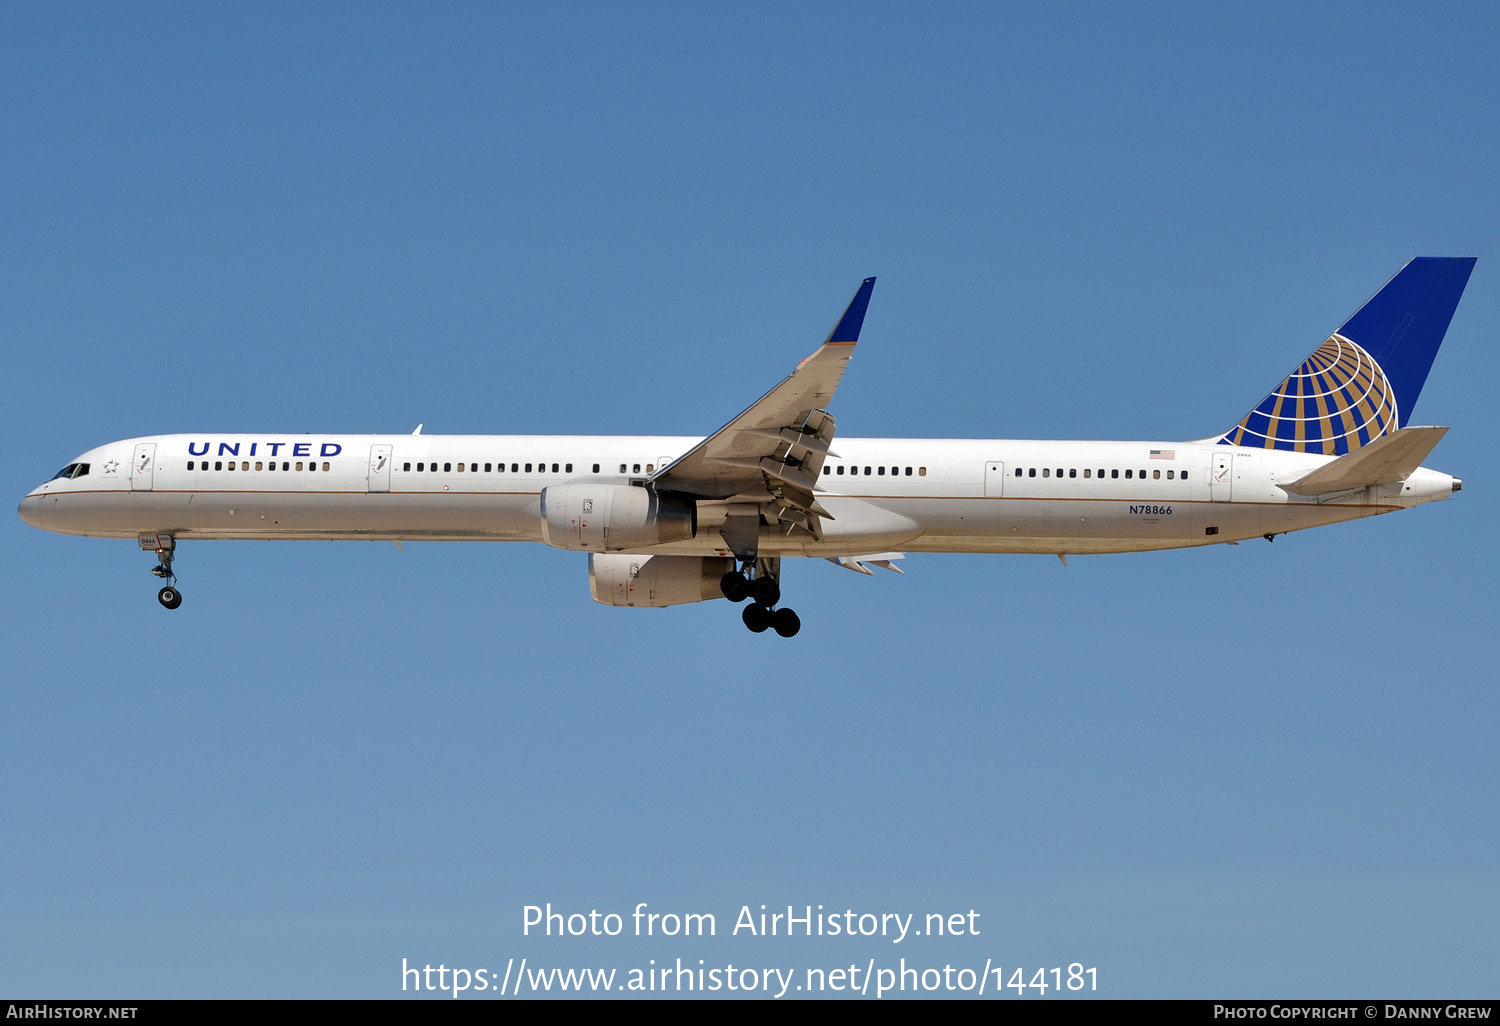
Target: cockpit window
83,468
72,470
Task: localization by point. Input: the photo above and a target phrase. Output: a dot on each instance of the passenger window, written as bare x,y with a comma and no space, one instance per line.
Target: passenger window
650,468
568,468
190,464
596,468
841,468
1170,474
404,466
422,465
1072,472
528,468
1142,475
1018,471
244,464
272,465
637,469
259,465
867,472
1114,473
299,464
1156,475
460,468
218,464
1085,471
1031,472
1046,472
447,468
908,472
1184,475
231,464
554,468
1127,475
827,471
622,468
325,465
921,471
881,470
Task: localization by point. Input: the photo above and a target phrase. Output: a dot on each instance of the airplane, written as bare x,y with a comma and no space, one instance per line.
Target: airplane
672,520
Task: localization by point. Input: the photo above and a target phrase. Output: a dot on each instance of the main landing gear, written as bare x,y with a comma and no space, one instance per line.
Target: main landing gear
763,591
166,547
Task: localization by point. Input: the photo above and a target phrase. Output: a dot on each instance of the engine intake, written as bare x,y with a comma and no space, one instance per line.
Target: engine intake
655,581
614,518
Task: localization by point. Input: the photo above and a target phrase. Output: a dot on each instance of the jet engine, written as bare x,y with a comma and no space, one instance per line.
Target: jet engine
631,580
614,518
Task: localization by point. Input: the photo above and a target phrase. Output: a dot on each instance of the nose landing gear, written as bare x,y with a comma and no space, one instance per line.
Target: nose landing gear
764,592
166,547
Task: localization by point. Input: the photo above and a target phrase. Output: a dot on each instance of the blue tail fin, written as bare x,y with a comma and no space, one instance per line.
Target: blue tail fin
1362,382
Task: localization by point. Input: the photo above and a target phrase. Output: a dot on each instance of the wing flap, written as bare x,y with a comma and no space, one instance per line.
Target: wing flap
862,564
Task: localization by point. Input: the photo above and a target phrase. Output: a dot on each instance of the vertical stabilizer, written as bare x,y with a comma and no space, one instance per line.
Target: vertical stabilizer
1363,382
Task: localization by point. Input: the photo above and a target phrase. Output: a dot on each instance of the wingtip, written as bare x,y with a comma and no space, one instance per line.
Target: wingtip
847,329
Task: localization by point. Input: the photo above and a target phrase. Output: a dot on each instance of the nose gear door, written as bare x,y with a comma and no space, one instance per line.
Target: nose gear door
142,467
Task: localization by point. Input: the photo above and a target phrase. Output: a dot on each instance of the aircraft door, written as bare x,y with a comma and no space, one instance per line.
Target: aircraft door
994,480
380,469
142,466
1221,476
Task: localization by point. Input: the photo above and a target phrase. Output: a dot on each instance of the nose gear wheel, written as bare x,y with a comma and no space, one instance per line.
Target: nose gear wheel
166,550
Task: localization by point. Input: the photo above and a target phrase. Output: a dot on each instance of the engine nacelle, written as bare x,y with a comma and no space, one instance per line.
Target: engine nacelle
614,518
656,581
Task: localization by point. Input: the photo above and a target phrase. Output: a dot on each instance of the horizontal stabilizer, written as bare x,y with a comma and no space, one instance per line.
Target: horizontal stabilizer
1388,459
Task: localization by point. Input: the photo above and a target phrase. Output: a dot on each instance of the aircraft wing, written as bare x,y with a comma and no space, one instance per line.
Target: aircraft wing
773,452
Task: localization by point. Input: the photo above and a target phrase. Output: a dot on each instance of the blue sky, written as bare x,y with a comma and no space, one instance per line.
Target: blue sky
1262,770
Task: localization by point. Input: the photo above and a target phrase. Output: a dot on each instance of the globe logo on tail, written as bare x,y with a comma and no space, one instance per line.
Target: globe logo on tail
1338,400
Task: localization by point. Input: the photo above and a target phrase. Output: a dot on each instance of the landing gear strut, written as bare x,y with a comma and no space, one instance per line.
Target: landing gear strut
764,592
166,548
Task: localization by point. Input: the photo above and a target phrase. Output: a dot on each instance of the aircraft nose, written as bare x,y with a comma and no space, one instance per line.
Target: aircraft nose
31,510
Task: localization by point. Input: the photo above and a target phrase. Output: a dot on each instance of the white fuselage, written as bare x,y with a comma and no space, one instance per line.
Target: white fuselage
920,495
